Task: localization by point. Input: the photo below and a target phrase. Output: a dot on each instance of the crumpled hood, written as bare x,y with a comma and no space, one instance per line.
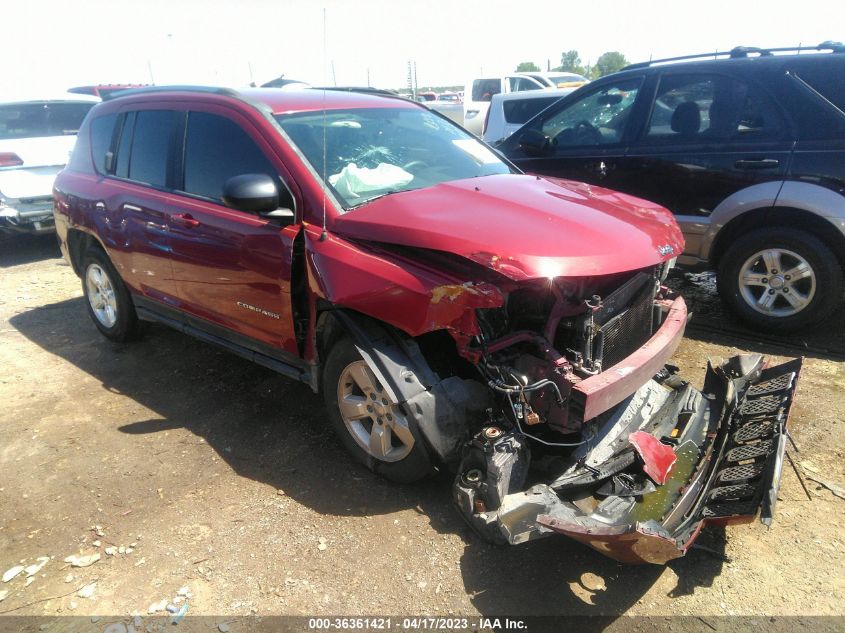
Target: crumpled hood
522,226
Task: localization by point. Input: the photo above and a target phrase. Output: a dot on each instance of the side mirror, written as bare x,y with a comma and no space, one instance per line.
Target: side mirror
534,143
257,193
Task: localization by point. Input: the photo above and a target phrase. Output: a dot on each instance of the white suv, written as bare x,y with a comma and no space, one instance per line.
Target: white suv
36,138
480,91
510,111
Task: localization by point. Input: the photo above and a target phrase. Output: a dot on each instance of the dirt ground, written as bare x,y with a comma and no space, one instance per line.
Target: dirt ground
216,475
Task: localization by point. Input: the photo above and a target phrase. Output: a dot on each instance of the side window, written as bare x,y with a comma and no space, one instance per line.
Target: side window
519,84
102,130
711,107
681,108
125,145
520,110
151,143
216,149
599,118
484,89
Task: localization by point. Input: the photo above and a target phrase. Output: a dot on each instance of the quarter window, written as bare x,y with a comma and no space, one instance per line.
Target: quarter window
596,119
151,143
102,129
217,149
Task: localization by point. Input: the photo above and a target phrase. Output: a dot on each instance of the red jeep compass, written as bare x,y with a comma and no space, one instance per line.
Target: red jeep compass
454,312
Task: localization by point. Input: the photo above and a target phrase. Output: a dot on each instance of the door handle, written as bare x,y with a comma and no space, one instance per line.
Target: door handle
132,207
762,163
186,220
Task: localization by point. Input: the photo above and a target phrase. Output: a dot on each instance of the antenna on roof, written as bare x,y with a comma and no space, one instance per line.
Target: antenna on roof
324,234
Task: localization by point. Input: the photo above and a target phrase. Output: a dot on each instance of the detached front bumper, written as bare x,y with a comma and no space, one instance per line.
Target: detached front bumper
726,446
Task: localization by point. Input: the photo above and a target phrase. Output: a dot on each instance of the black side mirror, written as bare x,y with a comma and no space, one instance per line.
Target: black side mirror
534,143
257,193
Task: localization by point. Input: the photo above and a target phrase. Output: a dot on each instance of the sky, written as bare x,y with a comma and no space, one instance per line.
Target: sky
51,45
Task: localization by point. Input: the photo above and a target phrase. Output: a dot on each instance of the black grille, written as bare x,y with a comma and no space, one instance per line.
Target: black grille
629,330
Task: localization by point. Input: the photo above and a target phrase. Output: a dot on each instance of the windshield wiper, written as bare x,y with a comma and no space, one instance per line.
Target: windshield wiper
368,200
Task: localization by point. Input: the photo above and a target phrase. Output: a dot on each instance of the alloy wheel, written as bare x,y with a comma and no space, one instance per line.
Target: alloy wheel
375,422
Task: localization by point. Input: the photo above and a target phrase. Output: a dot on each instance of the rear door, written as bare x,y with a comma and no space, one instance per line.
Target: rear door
135,202
708,136
232,268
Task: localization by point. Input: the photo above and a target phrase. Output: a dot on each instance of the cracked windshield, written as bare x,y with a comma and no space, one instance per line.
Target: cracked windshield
373,152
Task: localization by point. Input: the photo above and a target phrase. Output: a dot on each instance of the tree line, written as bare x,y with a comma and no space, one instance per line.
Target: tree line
570,61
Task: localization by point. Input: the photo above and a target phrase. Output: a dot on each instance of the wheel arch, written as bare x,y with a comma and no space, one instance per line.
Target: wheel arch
807,221
437,405
79,241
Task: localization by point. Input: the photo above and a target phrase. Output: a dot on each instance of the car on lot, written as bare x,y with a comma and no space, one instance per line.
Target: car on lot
36,137
510,111
453,312
480,91
746,148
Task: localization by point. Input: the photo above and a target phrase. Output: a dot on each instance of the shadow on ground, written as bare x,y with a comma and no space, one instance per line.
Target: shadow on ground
712,322
272,430
26,249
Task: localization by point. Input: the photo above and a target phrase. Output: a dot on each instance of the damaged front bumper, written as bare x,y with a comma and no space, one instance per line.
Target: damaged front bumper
651,472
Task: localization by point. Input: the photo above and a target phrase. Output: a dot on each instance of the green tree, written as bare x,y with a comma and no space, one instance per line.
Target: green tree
570,62
609,62
527,67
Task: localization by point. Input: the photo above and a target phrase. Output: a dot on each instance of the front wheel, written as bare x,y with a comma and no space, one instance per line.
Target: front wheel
373,428
780,279
107,298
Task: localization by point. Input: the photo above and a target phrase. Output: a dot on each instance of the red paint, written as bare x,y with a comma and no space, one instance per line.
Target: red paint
658,458
521,226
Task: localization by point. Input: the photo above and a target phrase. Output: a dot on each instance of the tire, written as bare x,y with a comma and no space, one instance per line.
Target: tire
107,298
777,301
356,401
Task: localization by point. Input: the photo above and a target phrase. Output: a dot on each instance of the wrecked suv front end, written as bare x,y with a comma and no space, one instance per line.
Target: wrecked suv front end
603,442
577,423
516,330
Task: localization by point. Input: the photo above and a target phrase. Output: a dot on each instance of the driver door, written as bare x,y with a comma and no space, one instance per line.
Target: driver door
232,268
587,136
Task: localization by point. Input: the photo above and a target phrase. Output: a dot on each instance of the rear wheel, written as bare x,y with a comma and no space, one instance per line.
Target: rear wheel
107,298
780,279
372,427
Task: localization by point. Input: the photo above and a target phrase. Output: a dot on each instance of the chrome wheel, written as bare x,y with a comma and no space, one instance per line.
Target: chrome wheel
374,421
777,282
101,295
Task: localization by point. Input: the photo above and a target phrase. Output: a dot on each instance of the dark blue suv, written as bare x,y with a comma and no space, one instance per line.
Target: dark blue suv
746,148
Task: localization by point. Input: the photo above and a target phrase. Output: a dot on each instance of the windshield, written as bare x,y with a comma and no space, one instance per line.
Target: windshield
38,118
376,151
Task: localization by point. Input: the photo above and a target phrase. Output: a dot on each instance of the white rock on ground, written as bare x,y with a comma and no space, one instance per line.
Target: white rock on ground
87,591
83,561
11,573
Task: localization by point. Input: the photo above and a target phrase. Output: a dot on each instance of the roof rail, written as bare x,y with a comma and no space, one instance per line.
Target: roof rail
229,92
743,52
384,92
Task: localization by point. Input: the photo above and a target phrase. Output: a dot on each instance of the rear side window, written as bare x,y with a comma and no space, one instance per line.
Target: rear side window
102,131
484,89
41,118
825,80
151,143
521,110
216,149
